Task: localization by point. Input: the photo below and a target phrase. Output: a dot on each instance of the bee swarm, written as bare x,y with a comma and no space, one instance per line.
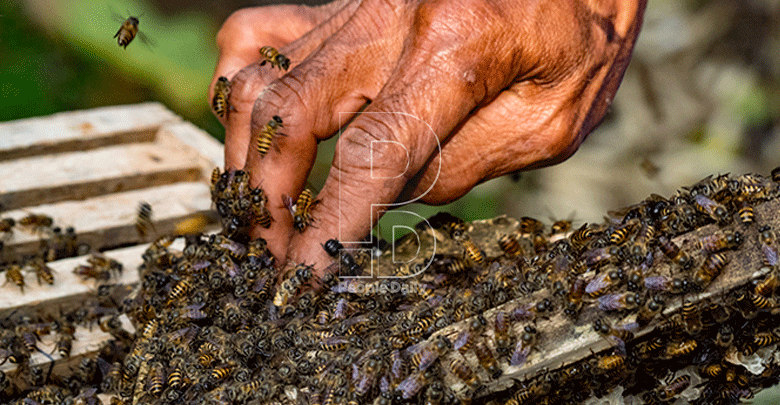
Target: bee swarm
668,301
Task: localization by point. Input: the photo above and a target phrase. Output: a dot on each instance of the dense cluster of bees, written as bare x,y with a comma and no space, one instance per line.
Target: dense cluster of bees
213,325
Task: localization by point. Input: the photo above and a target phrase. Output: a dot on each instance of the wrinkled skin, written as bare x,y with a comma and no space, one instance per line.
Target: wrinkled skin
460,91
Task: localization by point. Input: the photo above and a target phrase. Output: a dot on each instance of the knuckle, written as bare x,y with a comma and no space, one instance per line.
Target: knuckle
373,150
234,26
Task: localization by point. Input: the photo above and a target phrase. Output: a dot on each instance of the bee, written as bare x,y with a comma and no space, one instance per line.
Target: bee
143,221
42,270
605,364
714,210
674,253
425,354
510,246
603,282
301,274
179,290
679,349
524,345
649,311
64,342
501,332
767,286
745,213
222,372
301,209
156,381
467,337
368,375
691,317
709,270
621,233
220,103
720,241
6,226
128,31
596,258
13,274
717,313
647,349
574,297
276,59
487,360
616,335
715,370
36,223
581,236
746,305
671,390
413,383
472,252
767,238
643,237
461,370
268,134
764,339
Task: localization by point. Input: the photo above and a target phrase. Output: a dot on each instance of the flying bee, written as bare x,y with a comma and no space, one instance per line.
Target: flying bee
714,210
461,370
600,284
220,103
268,134
674,253
301,209
524,345
143,221
36,223
276,59
13,274
128,31
720,241
709,270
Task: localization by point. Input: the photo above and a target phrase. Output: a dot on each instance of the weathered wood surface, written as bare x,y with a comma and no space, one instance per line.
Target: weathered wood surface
82,130
69,290
562,343
109,221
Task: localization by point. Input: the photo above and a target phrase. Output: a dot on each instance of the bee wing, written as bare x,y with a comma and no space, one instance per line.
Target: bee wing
289,202
597,283
520,354
461,340
148,41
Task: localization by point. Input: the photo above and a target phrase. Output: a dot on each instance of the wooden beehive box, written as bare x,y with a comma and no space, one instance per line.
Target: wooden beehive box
90,170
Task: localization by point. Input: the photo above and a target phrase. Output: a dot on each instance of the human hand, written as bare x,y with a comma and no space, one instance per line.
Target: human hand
460,91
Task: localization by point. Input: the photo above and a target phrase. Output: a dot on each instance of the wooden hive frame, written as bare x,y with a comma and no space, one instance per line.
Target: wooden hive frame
89,170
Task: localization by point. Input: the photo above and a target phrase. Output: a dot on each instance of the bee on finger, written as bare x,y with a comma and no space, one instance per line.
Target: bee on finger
220,103
301,209
268,135
272,56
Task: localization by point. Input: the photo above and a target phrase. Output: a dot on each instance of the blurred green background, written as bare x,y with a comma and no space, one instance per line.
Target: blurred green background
701,95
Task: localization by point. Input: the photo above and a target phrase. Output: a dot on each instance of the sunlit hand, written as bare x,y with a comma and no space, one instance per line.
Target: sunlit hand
460,91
